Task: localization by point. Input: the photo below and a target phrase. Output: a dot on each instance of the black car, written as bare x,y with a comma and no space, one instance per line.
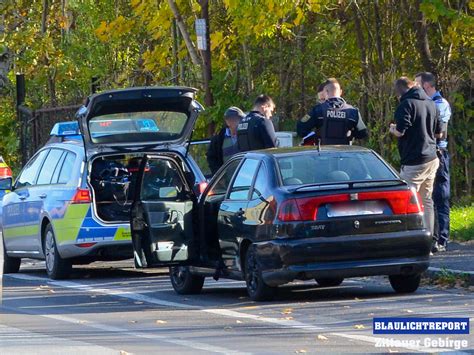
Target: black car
273,216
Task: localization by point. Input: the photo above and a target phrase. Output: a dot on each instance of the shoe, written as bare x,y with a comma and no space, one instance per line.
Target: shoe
438,248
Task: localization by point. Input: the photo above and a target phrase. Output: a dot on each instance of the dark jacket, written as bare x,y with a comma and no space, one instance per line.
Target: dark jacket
255,132
417,118
214,154
333,119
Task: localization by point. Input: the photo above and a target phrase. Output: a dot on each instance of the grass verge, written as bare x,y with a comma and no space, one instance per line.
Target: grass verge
462,223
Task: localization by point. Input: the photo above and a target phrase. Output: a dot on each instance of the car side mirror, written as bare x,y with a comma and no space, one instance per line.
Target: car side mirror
6,184
168,192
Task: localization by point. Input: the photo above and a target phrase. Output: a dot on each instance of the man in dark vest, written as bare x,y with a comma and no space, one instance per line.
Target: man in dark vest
256,130
336,121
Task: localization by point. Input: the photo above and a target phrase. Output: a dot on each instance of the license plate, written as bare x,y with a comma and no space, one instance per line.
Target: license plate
355,208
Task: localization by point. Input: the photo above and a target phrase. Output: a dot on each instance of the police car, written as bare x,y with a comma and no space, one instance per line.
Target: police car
71,202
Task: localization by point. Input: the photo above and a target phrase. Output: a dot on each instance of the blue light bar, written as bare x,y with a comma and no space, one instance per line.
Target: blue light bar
64,129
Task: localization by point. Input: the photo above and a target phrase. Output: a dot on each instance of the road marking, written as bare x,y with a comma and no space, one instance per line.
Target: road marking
222,312
113,329
19,341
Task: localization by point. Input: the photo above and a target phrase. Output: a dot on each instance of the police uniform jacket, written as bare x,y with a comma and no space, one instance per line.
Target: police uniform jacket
255,132
333,118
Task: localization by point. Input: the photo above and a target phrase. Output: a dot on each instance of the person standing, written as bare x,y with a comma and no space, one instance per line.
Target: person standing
337,122
416,125
311,138
224,144
256,130
441,189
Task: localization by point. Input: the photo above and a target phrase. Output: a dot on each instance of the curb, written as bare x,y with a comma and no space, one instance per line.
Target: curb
434,272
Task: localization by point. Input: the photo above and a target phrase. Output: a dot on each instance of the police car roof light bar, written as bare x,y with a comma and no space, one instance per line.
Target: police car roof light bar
65,129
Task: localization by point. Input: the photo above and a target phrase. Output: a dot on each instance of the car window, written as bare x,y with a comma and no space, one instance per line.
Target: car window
28,175
57,170
66,169
198,150
49,166
243,181
261,182
222,184
162,181
317,168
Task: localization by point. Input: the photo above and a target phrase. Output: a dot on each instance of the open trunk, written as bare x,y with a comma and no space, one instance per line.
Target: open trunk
112,179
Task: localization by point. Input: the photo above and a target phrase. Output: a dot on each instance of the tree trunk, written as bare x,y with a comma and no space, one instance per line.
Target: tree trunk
44,17
206,65
184,32
422,40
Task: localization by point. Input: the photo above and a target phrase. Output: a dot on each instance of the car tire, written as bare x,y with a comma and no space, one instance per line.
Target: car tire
56,267
405,283
10,265
184,282
330,282
257,289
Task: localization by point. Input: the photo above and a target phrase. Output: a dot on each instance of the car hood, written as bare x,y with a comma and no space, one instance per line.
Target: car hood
138,118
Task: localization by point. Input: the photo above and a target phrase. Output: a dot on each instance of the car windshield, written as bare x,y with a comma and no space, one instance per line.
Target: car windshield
328,167
138,126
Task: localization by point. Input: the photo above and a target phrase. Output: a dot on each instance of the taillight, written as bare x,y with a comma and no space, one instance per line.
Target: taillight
401,202
289,211
306,209
202,186
5,172
82,196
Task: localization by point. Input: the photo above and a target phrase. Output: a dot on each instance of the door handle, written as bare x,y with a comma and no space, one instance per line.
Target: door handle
21,197
43,195
240,213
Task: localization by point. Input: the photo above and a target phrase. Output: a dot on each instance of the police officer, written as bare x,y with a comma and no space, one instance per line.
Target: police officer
256,130
337,121
441,189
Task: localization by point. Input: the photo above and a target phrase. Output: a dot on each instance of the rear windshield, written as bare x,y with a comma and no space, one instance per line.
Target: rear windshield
314,168
160,125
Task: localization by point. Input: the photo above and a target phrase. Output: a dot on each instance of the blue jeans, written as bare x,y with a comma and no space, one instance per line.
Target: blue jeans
441,195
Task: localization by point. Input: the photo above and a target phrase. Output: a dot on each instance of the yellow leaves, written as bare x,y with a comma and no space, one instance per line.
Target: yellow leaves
159,321
287,311
216,39
359,326
118,28
299,16
322,337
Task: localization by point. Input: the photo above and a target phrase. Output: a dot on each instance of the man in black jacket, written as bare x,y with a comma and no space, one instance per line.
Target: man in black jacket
416,127
224,144
336,121
256,130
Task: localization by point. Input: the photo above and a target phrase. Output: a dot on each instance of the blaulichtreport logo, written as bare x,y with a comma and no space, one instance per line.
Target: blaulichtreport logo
421,326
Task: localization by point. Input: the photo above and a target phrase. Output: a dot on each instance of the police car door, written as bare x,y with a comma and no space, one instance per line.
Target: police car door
162,213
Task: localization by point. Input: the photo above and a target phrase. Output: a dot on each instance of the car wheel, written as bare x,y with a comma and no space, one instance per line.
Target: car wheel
184,282
56,267
405,283
257,289
10,265
330,282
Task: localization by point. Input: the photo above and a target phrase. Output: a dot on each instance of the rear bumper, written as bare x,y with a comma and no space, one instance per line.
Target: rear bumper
285,260
104,251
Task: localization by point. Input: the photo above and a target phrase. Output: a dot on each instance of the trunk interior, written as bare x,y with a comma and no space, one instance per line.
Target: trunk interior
113,181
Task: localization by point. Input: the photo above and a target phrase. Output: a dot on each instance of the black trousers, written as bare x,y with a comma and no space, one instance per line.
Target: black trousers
441,196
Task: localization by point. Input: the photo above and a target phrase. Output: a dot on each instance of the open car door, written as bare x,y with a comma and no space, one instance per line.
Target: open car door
162,214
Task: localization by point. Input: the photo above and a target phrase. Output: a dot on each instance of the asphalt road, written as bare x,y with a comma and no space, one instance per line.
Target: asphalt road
113,309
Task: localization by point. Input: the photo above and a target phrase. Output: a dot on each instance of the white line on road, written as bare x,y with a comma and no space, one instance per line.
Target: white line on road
221,312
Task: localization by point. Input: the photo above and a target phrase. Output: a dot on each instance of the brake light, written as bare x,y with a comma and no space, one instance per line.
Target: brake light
5,172
289,211
202,186
401,202
306,209
82,196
